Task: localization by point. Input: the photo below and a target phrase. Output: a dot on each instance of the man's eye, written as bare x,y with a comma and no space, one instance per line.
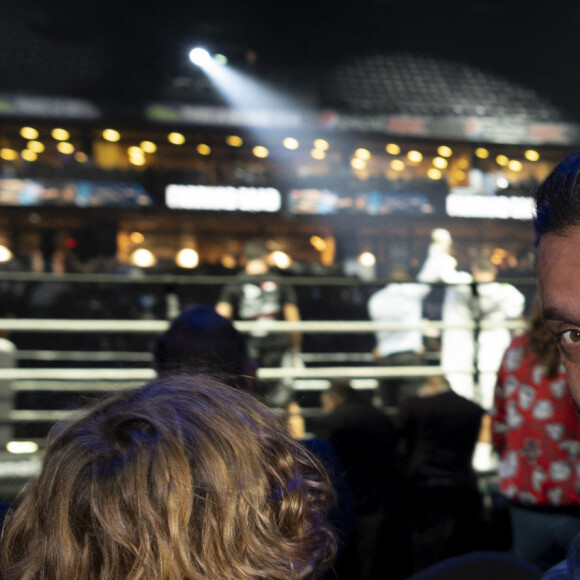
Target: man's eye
571,336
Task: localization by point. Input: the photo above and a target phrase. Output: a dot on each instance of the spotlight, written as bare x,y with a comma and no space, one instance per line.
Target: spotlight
200,57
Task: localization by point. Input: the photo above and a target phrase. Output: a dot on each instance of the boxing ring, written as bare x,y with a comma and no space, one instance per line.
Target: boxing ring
97,371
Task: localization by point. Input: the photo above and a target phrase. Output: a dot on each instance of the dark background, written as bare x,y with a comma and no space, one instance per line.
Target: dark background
131,50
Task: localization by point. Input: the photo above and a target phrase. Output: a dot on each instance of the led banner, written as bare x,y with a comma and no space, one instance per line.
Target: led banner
223,116
223,198
48,107
37,192
328,202
489,206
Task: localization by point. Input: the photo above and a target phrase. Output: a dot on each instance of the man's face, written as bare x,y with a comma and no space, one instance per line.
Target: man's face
558,268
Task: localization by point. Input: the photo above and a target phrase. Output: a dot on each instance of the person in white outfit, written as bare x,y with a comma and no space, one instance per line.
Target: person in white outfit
399,302
487,302
440,265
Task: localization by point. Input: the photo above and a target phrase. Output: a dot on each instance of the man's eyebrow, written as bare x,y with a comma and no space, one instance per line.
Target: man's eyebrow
562,315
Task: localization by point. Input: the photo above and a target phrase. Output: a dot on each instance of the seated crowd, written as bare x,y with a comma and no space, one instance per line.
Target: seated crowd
191,476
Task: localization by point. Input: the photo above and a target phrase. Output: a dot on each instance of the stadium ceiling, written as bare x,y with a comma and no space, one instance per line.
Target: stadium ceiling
110,50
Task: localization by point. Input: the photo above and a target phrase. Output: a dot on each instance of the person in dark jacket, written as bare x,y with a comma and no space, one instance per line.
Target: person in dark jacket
364,438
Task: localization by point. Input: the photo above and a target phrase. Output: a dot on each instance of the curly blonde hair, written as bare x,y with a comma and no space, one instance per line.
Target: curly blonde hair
184,478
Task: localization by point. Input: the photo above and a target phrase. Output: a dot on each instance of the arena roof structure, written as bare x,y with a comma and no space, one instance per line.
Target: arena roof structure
483,70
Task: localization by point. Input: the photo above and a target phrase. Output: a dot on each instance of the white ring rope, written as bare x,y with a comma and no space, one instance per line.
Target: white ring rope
89,375
273,326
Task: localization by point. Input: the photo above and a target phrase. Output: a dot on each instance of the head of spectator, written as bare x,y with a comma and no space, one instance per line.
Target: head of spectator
182,478
339,393
441,240
255,255
557,228
434,385
484,270
199,338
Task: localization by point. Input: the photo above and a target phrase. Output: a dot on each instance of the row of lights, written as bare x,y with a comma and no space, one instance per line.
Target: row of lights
189,258
440,162
35,147
359,160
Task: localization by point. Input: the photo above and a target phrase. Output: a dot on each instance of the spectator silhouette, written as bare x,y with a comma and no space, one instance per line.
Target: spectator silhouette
438,431
399,302
365,440
259,296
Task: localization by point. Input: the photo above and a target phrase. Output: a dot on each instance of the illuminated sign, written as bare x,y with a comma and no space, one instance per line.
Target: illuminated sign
489,206
223,198
327,202
41,192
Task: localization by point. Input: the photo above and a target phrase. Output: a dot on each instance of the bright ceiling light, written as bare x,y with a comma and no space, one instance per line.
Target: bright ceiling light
445,151
392,149
532,155
36,146
321,144
502,160
228,261
29,155
8,154
260,151
143,258
28,133
148,146
514,165
5,254
357,163
234,141
291,143
415,156
60,134
397,165
66,148
136,237
362,153
176,138
203,149
318,154
111,135
440,162
367,259
482,153
502,182
187,258
135,151
433,173
281,259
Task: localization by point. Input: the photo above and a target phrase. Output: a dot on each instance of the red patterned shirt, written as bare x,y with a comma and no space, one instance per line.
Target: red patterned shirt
536,431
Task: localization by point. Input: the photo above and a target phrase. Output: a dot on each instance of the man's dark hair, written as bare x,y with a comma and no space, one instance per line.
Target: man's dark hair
201,340
558,198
